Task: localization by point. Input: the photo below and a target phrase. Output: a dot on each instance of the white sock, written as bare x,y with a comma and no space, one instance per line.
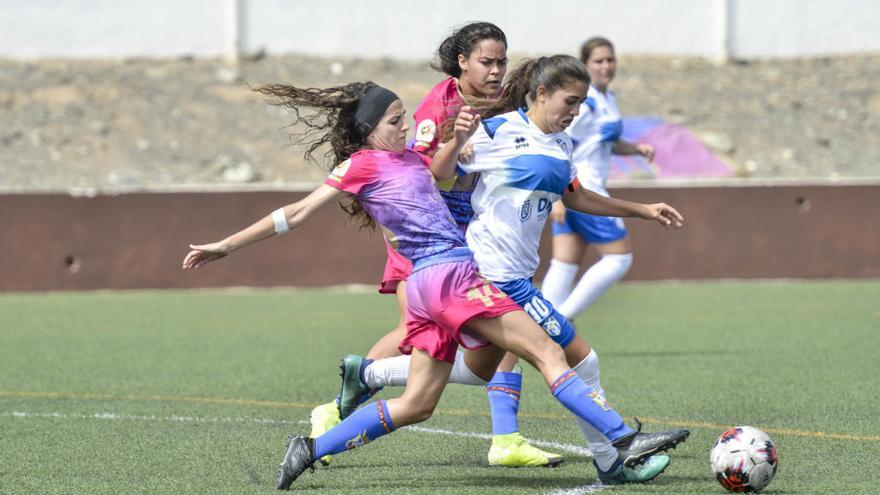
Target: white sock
595,281
393,372
558,281
603,452
390,372
462,374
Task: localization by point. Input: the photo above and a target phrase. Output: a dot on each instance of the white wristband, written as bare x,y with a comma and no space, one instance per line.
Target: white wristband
280,220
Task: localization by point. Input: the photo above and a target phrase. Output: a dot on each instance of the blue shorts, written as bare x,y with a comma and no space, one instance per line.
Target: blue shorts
594,229
532,301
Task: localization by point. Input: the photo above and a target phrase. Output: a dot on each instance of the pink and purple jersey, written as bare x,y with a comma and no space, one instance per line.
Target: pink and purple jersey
444,290
399,192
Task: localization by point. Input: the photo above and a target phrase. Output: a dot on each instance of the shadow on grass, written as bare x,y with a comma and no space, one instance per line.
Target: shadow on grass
419,478
462,481
405,476
695,481
571,462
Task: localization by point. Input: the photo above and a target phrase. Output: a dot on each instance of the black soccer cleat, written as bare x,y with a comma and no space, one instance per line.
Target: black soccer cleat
299,456
636,447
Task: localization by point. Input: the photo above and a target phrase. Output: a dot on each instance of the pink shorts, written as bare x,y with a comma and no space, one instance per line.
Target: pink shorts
397,269
441,299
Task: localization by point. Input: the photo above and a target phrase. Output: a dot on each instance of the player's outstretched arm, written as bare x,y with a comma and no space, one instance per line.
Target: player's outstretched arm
443,165
286,218
587,201
623,147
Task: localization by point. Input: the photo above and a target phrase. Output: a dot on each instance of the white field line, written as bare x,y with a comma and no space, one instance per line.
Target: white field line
574,449
130,417
580,490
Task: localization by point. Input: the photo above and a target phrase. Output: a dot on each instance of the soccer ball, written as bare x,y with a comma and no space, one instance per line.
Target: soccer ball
744,459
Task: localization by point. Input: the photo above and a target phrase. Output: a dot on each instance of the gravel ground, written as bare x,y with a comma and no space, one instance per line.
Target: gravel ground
139,122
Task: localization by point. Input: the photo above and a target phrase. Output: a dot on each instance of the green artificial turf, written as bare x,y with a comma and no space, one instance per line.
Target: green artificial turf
195,391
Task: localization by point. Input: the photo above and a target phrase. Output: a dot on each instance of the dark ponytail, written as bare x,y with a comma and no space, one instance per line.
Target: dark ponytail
551,72
462,42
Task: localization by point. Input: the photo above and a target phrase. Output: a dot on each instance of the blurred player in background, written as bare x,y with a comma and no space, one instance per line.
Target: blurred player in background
475,59
596,134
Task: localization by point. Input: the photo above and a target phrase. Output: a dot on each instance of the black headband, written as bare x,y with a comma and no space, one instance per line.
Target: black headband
371,108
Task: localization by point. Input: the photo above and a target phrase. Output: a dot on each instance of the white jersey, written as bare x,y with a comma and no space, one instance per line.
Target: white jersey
594,131
522,172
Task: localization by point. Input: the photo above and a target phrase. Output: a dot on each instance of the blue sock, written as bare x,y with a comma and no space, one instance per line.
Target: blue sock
364,425
504,391
578,398
614,467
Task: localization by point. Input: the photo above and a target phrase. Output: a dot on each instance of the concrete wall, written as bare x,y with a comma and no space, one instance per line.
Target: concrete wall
396,28
62,242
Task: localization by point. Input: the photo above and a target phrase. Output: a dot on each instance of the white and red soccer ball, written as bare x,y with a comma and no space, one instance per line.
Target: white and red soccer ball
744,459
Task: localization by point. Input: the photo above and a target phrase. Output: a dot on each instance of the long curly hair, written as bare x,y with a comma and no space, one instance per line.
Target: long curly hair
325,119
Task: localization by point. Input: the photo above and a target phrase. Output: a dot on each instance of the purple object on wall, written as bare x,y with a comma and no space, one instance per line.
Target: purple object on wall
678,153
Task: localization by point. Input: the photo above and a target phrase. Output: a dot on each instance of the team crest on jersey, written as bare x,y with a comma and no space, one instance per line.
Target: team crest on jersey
552,327
357,441
525,210
425,132
340,170
521,142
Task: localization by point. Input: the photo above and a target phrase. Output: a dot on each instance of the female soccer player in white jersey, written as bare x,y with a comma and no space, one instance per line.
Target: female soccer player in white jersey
596,134
474,57
524,161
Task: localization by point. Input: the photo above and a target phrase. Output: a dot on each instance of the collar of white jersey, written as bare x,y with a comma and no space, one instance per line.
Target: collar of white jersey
604,95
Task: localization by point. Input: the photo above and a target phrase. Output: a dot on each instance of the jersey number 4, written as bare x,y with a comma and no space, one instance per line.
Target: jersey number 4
485,293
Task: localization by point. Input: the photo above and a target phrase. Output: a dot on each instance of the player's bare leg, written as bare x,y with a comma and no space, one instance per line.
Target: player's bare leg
387,345
428,378
509,448
326,416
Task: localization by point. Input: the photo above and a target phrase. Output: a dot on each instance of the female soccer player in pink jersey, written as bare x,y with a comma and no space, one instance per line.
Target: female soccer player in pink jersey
450,304
475,59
